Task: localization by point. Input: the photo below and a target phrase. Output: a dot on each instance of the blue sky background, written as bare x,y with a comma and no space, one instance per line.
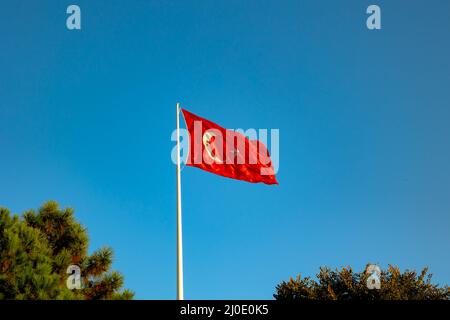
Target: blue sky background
86,118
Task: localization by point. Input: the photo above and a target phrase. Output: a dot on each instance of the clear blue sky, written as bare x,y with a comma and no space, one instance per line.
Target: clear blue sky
86,118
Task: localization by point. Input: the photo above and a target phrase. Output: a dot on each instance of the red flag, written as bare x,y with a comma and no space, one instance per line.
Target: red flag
226,152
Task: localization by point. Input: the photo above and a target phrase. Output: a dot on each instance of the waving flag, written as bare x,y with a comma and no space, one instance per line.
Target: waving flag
226,152
221,151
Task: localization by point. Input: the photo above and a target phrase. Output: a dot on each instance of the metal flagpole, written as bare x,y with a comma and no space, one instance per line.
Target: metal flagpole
179,229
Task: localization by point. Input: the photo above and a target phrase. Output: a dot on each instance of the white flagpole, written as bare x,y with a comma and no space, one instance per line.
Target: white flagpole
180,295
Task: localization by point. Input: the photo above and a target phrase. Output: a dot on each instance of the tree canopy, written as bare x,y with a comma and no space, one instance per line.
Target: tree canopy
36,250
344,284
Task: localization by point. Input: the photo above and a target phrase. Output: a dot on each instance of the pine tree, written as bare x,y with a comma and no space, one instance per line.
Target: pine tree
36,250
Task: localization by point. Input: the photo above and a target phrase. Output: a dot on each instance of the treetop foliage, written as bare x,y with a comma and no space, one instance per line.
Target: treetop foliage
36,250
344,284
